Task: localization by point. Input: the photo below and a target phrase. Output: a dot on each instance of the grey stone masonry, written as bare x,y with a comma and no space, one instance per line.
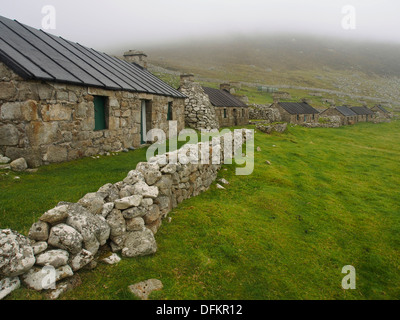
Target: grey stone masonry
199,112
46,122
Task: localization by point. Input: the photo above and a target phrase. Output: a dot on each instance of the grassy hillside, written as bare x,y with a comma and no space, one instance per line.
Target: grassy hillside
350,70
327,200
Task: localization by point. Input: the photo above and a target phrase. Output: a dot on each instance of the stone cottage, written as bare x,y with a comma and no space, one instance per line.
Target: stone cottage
381,112
230,110
363,114
345,114
60,101
296,112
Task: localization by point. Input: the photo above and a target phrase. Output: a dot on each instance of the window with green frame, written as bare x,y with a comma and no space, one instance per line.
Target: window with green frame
169,114
225,113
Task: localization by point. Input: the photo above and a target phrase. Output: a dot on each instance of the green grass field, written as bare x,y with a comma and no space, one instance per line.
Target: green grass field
329,198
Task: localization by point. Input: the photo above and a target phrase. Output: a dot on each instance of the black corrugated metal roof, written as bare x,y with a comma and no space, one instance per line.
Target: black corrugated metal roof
382,108
346,111
362,111
222,98
35,54
298,108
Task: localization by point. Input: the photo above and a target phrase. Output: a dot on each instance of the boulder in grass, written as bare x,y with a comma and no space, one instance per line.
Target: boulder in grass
19,165
143,289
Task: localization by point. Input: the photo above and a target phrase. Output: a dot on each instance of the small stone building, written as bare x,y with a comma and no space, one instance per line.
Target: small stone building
230,110
346,115
363,114
60,101
381,112
282,95
296,112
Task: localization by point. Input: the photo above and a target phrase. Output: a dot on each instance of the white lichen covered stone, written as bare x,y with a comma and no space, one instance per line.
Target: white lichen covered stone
128,202
93,202
135,224
80,260
133,177
39,247
8,285
139,243
143,289
107,208
39,231
55,215
223,181
65,237
142,188
44,278
94,229
111,192
16,254
150,171
55,258
113,259
116,223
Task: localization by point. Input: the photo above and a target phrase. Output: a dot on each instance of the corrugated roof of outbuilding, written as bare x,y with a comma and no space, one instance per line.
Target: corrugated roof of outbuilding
298,108
381,108
222,98
35,54
362,111
346,111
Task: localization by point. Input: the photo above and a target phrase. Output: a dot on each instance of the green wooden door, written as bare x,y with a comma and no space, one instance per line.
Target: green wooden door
169,114
99,113
143,121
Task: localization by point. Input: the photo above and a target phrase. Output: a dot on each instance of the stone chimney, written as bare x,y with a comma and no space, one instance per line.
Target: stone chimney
186,77
225,86
138,57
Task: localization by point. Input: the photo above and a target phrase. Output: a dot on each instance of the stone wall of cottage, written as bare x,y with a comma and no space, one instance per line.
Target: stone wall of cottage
123,216
264,112
235,116
200,114
50,122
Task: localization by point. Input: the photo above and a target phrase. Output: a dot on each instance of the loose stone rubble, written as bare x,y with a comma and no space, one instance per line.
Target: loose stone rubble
143,289
277,127
124,217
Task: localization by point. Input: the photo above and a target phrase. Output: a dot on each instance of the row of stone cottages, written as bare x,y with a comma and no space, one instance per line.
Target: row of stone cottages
60,101
302,112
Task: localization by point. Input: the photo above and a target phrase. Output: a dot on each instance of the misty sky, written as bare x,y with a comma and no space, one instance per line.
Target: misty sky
113,26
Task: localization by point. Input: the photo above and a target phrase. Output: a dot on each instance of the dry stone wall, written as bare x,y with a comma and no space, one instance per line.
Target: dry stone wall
264,112
124,216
